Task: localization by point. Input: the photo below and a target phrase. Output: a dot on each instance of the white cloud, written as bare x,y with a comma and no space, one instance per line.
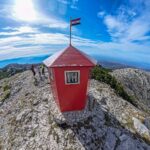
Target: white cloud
45,38
61,25
8,41
138,30
46,43
116,28
24,12
18,46
17,31
129,25
24,51
112,22
101,14
72,3
8,28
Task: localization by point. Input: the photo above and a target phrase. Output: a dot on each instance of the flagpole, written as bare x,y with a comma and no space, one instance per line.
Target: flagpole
70,31
72,23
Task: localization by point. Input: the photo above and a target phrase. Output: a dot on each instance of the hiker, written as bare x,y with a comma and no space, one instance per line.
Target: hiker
33,70
43,70
39,72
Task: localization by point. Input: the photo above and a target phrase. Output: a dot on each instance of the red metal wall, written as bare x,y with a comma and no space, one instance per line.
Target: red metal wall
70,97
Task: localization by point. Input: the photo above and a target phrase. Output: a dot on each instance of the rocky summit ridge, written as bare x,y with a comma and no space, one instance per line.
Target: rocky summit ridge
137,84
30,119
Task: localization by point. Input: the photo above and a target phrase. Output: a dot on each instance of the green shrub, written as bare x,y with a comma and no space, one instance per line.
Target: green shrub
103,75
5,73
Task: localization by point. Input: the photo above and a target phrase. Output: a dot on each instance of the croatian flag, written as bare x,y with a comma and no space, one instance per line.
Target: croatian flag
75,21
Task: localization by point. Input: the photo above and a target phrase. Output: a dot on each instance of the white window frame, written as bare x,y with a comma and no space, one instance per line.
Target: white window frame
65,73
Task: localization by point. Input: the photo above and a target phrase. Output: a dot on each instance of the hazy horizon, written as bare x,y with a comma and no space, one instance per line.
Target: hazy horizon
39,59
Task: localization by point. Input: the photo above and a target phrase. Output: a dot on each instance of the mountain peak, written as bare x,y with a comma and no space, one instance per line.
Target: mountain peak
30,118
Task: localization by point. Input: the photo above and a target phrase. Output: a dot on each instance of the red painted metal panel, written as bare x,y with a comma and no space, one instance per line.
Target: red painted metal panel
71,97
72,56
69,57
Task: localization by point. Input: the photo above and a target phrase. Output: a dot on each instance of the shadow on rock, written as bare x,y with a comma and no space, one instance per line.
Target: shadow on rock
96,129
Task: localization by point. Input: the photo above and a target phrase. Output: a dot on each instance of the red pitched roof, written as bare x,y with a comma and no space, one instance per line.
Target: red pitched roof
69,57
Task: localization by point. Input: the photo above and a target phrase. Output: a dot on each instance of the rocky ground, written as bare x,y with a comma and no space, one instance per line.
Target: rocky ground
137,83
30,119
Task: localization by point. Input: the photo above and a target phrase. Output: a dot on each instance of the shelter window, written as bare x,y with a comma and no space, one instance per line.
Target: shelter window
72,77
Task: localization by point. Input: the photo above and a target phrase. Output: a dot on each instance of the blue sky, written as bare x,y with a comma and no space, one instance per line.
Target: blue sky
117,30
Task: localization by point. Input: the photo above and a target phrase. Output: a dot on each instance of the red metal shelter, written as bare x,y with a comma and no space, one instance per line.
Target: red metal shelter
69,73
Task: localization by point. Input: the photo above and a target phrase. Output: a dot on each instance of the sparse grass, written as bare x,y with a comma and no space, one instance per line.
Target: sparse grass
6,92
50,119
33,134
6,87
71,138
55,135
5,96
1,144
11,136
103,75
12,121
22,103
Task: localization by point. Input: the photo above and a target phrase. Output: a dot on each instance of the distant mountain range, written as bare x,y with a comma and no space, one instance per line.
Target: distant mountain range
38,59
12,69
115,65
23,60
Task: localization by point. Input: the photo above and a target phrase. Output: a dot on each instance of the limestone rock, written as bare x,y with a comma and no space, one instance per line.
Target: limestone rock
141,128
147,122
23,114
137,84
